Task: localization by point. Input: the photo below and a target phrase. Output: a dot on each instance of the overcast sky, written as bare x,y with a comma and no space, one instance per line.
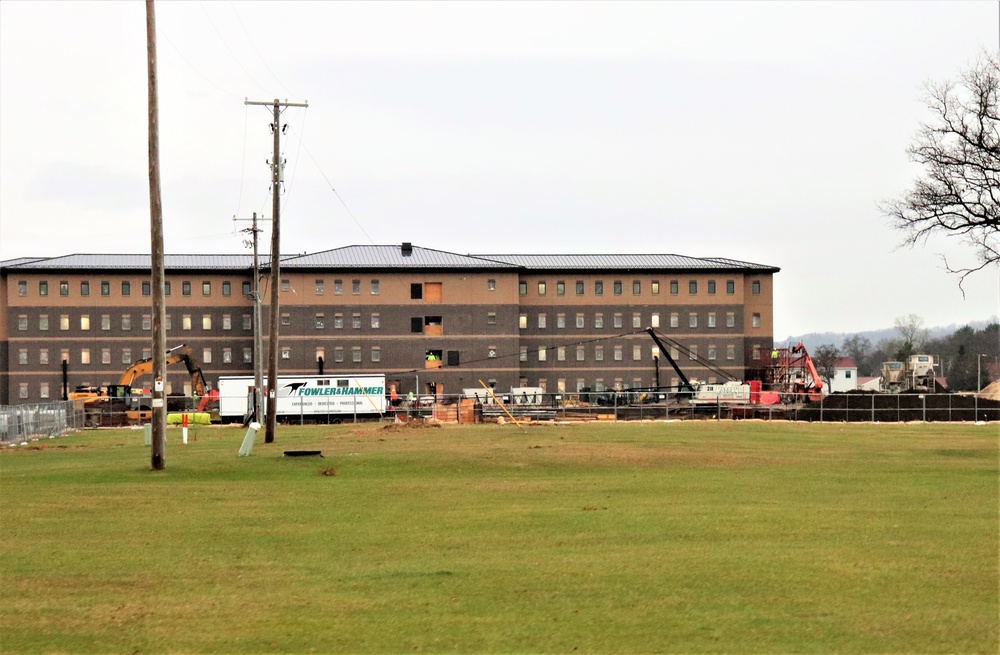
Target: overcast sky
758,131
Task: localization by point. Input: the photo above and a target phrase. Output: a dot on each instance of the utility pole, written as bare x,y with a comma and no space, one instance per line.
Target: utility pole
258,329
277,174
159,409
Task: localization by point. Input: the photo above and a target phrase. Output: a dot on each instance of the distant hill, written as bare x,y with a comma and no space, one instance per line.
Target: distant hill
813,340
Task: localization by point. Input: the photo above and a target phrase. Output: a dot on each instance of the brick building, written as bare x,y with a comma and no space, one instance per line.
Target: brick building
562,322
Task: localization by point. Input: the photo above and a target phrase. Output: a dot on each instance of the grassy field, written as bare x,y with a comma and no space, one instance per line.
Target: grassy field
694,537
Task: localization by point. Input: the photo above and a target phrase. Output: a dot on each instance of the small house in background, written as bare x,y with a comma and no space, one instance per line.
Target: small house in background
870,383
845,376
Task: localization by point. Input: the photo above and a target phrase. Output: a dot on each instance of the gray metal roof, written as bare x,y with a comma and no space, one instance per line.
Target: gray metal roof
387,257
381,257
626,262
134,262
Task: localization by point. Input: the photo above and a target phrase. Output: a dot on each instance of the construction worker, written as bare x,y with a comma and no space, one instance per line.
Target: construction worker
774,355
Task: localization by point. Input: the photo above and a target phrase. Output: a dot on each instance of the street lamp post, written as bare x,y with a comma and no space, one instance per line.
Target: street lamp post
979,380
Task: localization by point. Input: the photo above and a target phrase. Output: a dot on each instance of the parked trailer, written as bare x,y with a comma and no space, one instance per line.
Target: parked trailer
316,398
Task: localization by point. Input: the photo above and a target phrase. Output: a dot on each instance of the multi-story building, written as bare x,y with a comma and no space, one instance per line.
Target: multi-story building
431,321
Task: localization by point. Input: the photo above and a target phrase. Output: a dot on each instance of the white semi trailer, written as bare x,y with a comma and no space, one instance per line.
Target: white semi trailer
312,398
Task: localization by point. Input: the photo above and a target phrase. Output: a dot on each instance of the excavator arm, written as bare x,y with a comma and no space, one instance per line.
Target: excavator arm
800,349
685,384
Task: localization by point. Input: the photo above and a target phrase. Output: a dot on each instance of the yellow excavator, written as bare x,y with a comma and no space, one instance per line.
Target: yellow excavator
111,404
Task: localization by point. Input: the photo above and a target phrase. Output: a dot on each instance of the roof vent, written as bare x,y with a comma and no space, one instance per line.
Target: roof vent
407,249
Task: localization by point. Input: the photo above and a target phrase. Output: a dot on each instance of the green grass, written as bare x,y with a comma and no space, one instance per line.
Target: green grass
695,537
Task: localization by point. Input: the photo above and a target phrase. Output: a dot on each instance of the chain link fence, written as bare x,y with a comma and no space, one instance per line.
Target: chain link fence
21,423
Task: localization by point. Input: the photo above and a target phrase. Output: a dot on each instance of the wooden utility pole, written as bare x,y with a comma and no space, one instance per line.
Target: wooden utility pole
159,413
277,175
258,328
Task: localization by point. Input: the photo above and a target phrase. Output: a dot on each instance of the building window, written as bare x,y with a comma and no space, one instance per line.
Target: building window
598,321
560,321
227,355
580,354
43,356
43,288
711,287
206,322
227,322
636,288
43,322
579,287
711,353
185,288
692,320
206,356
126,322
247,289
286,352
338,287
166,288
491,318
755,320
247,355
22,390
338,321
618,322
126,288
320,322
105,321
755,352
247,322
579,321
85,322
730,352
147,353
356,354
227,288
375,290
356,321
693,351
617,286
599,288
126,355
541,321
286,319
491,285
286,286
675,320
186,322
491,351
541,288
599,353
22,356
376,354
523,354
561,288
356,287
693,287
730,287
561,353
541,355
376,321
654,287
338,355
636,352
522,321
206,288
711,319
22,288
319,287
105,288
730,319
637,320
522,288
64,322
618,353
64,288
654,320
105,355
146,289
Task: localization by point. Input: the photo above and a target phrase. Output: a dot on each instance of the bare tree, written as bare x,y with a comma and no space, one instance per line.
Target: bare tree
913,333
959,191
825,359
859,348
